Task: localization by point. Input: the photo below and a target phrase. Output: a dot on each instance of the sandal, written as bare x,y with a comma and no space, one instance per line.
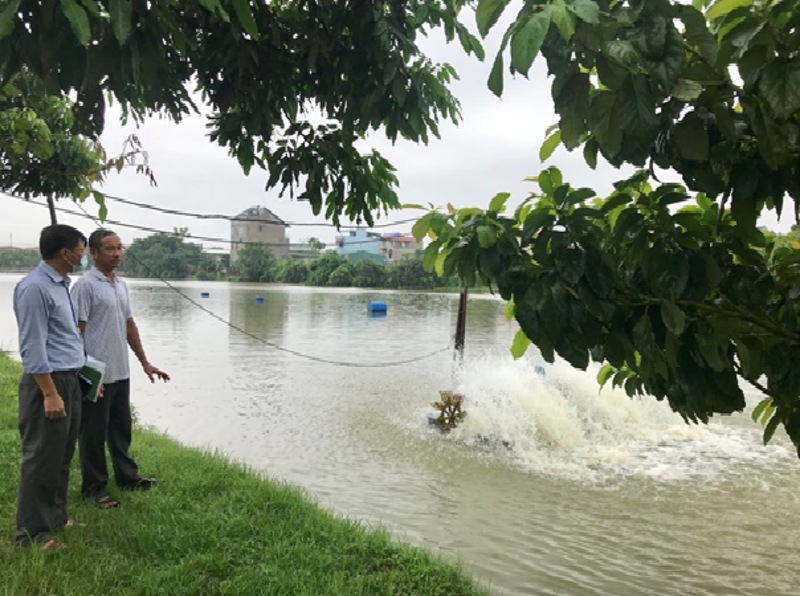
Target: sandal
105,502
73,523
52,544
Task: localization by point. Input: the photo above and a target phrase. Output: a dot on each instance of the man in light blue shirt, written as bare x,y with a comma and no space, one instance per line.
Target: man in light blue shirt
106,321
49,393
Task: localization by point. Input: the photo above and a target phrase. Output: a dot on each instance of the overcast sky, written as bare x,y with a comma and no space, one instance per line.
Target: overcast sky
494,148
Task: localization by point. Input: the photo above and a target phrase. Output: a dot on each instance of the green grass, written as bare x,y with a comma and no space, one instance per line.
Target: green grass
210,527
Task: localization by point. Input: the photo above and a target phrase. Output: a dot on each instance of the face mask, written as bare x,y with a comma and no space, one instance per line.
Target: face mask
84,261
71,259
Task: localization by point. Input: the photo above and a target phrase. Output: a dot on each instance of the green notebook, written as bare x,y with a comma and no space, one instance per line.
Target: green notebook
91,378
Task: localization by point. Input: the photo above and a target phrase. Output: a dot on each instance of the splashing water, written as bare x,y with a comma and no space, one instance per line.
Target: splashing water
560,424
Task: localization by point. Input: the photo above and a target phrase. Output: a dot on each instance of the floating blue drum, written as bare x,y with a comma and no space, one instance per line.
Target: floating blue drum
259,300
377,308
204,294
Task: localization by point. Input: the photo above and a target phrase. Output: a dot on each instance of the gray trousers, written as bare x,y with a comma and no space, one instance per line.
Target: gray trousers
47,449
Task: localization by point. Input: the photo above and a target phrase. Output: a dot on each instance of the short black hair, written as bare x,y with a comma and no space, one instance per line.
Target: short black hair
58,237
96,237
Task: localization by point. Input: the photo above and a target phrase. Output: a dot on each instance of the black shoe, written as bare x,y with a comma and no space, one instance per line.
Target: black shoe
139,484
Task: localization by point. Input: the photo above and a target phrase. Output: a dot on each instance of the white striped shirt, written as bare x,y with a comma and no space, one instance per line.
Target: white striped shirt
104,306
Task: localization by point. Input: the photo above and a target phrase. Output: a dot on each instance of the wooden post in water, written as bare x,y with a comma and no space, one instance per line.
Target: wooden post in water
51,205
449,404
461,323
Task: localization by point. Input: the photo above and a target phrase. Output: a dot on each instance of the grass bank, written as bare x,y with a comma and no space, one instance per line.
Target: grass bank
210,527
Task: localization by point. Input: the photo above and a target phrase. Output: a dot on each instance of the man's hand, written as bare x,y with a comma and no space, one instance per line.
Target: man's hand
54,406
152,372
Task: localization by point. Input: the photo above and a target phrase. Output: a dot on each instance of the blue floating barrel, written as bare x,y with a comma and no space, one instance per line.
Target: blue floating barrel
204,294
539,370
377,307
259,300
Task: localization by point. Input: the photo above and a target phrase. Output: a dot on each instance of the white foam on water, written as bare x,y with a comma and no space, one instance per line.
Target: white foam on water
561,424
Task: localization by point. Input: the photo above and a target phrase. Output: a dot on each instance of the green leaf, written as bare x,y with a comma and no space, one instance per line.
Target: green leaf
722,7
487,13
669,66
673,317
527,41
605,373
497,203
7,16
623,53
761,408
586,10
421,227
520,344
604,122
78,20
215,7
486,236
691,137
770,429
495,82
245,17
637,108
549,145
562,19
439,263
697,33
429,256
590,153
779,86
509,310
120,11
644,338
687,90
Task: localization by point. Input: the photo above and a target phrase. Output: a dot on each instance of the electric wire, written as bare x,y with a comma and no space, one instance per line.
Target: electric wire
113,222
248,219
296,353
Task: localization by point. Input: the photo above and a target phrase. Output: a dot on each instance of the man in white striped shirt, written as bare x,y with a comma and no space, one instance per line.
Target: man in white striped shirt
106,322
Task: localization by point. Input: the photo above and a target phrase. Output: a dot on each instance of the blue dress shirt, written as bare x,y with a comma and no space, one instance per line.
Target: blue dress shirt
49,339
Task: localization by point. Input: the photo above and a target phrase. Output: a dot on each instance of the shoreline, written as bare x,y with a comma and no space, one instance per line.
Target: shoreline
211,526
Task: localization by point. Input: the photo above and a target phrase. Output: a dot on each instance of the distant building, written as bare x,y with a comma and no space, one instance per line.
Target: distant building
359,240
395,246
304,251
259,225
362,244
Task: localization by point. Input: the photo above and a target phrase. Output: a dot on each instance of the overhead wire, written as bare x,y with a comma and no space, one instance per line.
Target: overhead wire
121,224
247,218
296,353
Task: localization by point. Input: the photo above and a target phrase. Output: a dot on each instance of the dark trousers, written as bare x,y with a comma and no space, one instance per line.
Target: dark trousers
108,420
47,449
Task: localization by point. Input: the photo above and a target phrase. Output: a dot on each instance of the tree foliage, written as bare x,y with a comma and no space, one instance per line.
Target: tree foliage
261,67
679,296
342,276
320,270
293,272
15,259
163,255
256,263
368,274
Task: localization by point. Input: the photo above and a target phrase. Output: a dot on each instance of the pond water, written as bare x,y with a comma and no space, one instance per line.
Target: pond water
549,487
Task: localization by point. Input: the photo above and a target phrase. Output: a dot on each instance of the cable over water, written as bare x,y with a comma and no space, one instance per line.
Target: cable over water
274,345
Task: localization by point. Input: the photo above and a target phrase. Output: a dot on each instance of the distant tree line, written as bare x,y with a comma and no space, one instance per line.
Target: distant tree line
16,259
174,256
257,263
